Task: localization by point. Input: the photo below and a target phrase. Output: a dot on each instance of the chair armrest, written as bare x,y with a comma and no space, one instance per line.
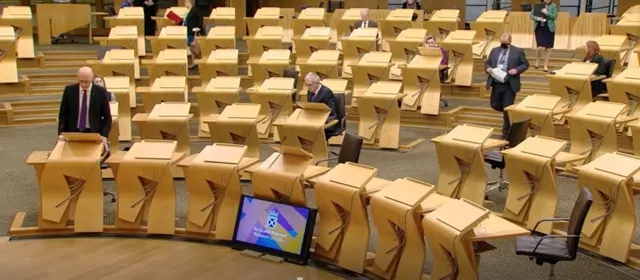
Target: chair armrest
334,153
325,160
551,236
330,123
549,220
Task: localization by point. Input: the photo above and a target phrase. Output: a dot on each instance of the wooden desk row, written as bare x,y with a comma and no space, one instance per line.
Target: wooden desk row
146,194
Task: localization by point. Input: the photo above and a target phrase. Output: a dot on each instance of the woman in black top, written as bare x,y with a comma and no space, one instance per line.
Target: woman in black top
411,4
594,56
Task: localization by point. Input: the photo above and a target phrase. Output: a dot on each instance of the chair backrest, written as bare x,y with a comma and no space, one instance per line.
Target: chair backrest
608,67
518,132
578,215
340,110
351,147
526,7
291,73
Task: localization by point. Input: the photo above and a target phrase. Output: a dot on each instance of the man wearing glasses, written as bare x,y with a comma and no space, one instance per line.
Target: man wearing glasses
321,94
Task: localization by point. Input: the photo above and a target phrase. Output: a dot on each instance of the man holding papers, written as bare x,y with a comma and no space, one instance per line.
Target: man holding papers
504,65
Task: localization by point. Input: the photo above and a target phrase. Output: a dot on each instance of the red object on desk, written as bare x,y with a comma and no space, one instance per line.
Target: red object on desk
174,17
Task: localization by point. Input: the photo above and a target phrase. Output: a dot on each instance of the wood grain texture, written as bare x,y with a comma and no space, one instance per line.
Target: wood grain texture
122,258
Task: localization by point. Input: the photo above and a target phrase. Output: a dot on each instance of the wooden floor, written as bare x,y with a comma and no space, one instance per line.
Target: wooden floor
123,258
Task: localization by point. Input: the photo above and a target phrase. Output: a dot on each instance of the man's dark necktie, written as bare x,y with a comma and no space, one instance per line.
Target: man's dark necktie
82,124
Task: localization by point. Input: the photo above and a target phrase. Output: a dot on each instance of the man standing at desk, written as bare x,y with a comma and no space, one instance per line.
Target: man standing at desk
364,21
320,94
84,107
512,61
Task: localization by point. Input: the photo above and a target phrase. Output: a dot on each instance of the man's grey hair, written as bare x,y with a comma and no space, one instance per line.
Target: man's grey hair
312,77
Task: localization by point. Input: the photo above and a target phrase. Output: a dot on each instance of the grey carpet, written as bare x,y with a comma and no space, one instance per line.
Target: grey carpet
20,193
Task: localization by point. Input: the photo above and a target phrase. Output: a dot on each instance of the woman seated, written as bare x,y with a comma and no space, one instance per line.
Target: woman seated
411,4
194,22
430,42
99,81
594,56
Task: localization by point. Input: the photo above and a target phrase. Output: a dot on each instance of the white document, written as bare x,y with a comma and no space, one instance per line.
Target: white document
499,75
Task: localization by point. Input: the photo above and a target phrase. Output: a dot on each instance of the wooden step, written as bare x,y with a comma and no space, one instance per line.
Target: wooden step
29,120
64,53
36,112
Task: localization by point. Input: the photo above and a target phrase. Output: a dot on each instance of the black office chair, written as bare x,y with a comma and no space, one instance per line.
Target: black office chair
599,87
103,166
292,73
342,116
518,133
552,249
349,151
526,7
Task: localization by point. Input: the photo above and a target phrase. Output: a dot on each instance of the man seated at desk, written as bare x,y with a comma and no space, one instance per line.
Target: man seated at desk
85,107
364,21
322,94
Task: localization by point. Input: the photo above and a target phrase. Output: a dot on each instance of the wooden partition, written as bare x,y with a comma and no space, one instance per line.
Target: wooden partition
587,27
451,4
563,30
521,28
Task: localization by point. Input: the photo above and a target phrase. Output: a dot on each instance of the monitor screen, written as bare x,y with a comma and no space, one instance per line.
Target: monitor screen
274,228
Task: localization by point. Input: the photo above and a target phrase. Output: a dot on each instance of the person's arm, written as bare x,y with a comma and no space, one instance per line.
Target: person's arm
418,7
523,63
330,101
601,65
552,12
532,16
63,112
444,61
488,63
105,113
404,5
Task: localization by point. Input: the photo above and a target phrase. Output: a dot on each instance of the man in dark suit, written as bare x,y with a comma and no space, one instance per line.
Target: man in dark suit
85,107
364,21
321,94
513,61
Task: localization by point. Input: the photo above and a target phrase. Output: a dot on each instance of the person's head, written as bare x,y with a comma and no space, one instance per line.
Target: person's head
99,81
364,14
430,41
505,40
85,77
547,1
188,4
312,81
592,48
411,2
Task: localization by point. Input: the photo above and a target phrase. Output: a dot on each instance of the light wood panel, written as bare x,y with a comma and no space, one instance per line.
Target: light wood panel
125,258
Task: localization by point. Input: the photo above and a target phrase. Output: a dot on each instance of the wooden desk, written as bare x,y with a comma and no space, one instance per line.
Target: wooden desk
213,98
371,68
169,62
392,26
163,21
170,37
164,89
308,18
360,42
220,63
313,40
56,19
123,90
127,38
8,64
219,37
21,19
131,16
404,47
222,16
489,26
271,64
459,43
421,79
379,115
444,21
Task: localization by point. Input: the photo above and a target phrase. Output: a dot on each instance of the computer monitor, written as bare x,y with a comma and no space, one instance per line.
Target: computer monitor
274,228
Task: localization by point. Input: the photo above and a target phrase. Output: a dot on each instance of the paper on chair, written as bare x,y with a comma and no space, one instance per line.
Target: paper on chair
499,75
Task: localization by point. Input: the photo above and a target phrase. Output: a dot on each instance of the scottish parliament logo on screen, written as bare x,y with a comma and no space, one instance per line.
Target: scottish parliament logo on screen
272,225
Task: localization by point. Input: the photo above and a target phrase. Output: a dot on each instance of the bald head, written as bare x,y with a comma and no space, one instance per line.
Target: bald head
364,14
85,77
505,38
